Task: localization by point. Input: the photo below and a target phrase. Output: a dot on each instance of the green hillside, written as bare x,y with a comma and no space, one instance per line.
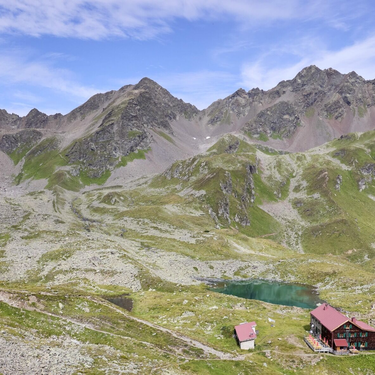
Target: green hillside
237,211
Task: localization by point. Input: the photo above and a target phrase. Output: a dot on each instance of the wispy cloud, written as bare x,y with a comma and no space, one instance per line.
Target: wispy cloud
144,19
27,96
17,67
31,81
222,55
359,57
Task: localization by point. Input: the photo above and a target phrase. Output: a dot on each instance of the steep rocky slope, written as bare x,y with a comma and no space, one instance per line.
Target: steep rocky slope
87,144
314,107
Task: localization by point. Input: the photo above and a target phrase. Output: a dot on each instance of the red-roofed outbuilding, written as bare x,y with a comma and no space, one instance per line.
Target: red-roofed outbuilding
246,335
340,332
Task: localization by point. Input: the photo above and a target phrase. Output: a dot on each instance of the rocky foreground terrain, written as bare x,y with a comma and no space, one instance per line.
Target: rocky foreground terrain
139,195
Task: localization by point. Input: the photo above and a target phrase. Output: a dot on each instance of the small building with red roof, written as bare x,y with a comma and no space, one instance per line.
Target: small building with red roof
246,335
338,331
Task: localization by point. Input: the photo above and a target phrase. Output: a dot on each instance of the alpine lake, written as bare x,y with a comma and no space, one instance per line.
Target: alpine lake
268,291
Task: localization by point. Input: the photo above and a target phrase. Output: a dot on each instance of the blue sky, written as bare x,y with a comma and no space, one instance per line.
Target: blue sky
55,54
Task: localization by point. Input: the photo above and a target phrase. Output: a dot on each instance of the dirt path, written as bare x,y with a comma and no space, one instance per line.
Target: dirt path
207,349
9,299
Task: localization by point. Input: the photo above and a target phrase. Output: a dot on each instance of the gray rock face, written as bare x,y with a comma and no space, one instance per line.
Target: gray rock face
281,119
125,127
368,169
33,120
103,150
94,103
326,93
226,186
244,198
311,78
237,104
36,119
166,106
8,120
368,172
223,209
25,138
338,182
233,147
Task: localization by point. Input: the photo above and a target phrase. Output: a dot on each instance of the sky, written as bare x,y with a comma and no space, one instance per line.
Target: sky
56,54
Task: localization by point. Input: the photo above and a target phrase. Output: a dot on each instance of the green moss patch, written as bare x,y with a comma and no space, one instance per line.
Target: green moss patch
42,161
310,112
139,154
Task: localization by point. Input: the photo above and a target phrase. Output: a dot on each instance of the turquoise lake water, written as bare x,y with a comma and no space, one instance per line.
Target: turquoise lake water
272,292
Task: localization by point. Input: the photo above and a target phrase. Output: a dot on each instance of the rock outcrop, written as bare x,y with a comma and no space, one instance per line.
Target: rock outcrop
20,141
281,119
8,120
125,125
368,173
314,98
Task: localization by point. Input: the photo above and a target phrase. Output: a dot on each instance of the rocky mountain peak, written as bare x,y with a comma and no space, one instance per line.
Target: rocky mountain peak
146,83
36,119
126,124
309,76
332,72
354,78
8,119
91,105
240,92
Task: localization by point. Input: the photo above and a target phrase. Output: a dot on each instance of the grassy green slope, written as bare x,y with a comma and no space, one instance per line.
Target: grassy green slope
47,161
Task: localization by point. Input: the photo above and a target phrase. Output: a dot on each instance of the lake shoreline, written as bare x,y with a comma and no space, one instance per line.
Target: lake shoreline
270,291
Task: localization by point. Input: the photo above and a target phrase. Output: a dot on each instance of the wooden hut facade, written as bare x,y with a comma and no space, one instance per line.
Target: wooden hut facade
339,332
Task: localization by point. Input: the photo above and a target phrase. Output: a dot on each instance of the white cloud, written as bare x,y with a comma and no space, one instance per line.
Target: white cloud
257,75
38,82
143,19
16,67
27,96
359,57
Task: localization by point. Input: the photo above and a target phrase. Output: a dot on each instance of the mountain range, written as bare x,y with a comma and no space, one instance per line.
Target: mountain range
92,140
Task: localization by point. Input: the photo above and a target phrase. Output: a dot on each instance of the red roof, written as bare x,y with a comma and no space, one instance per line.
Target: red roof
329,316
340,342
362,325
246,331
